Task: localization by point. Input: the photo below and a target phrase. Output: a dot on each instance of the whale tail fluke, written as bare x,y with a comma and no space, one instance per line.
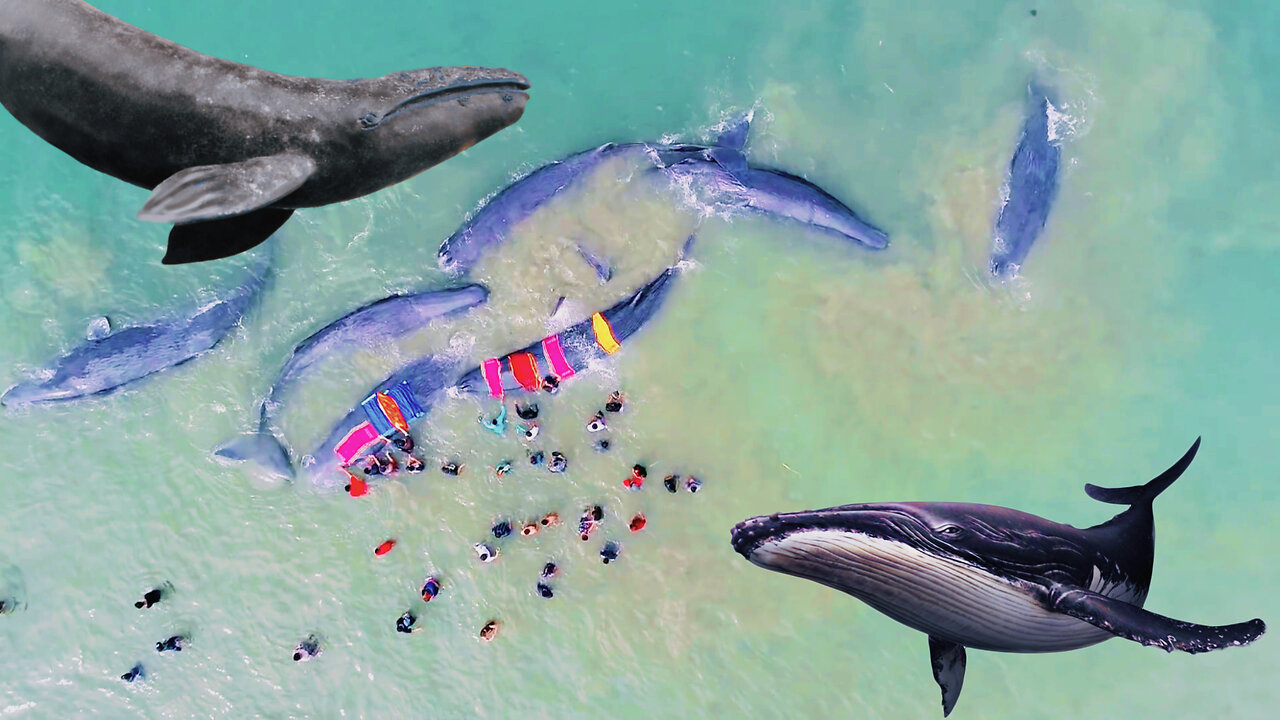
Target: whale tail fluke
1144,494
261,449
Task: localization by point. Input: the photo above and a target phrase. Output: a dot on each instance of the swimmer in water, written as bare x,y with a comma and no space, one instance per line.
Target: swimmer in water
669,482
550,519
537,458
551,384
389,466
430,589
528,432
692,484
307,649
405,443
529,529
486,553
502,468
414,465
498,424
502,529
489,630
6,605
173,642
609,552
372,467
614,403
589,521
137,672
405,622
638,522
638,474
451,468
153,596
545,591
602,445
558,463
549,570
597,423
527,412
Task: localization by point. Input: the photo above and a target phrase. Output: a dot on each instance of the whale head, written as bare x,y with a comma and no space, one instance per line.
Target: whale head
874,551
411,120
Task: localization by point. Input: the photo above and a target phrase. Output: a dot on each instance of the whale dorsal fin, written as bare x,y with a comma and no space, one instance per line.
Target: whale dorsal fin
215,192
99,328
734,135
948,660
1142,626
1144,494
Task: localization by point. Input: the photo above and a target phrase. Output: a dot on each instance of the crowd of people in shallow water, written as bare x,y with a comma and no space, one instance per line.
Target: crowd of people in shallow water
384,463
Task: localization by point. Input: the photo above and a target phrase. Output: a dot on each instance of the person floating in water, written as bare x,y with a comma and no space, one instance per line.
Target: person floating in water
550,519
502,468
692,484
7,605
527,412
501,529
486,553
451,468
602,445
528,432
545,590
153,596
414,465
637,523
137,672
669,482
549,570
430,589
497,424
558,463
174,642
638,474
356,487
307,649
405,443
590,520
597,423
490,630
384,547
537,458
551,384
610,551
405,622
614,403
529,529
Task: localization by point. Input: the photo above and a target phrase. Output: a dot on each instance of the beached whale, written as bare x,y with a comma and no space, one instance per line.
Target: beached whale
559,356
989,577
109,359
1031,187
231,150
386,319
718,173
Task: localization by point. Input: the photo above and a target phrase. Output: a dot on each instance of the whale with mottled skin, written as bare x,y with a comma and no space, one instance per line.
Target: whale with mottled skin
386,319
428,378
719,173
110,360
989,577
229,150
1032,186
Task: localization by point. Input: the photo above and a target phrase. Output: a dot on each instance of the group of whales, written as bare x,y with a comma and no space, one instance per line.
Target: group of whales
232,150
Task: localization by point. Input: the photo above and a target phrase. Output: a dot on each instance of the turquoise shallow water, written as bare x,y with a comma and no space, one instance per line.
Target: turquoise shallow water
789,371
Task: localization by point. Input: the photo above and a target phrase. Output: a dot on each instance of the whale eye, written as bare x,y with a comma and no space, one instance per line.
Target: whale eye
368,120
951,531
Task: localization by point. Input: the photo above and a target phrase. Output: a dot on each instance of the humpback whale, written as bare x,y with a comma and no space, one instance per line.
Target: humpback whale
110,359
560,356
1032,186
390,317
719,173
229,150
990,578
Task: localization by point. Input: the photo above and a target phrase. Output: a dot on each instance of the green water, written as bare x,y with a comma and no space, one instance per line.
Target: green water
787,370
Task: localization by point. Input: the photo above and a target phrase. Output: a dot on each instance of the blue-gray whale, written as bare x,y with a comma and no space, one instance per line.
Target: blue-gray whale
388,318
231,150
990,577
719,172
110,360
1032,186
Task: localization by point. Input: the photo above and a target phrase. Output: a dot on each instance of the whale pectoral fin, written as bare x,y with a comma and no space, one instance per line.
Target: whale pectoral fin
222,238
1133,623
214,192
947,659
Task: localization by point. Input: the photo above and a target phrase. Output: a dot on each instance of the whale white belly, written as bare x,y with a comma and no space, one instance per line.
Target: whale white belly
946,598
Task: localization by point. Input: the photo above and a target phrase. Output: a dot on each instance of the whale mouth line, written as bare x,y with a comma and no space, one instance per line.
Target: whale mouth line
459,92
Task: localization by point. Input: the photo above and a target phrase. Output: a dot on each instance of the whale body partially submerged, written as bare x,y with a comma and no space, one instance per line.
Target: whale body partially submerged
1032,186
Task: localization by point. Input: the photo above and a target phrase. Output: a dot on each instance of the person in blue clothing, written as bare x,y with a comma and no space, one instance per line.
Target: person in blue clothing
497,424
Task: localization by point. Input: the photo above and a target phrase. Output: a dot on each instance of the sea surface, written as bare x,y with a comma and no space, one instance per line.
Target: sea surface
788,370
